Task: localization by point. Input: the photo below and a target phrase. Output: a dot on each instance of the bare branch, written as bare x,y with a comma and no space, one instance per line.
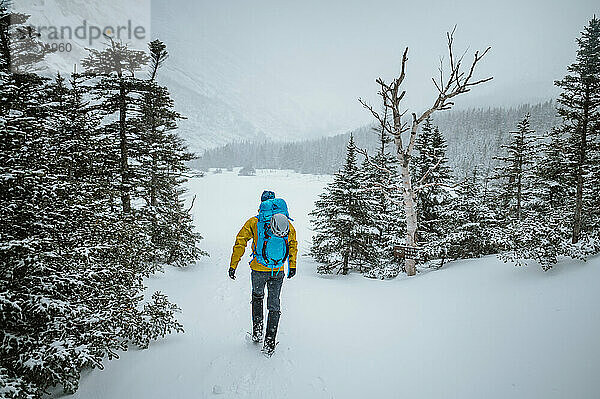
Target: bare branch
436,85
403,70
382,120
457,83
192,205
370,108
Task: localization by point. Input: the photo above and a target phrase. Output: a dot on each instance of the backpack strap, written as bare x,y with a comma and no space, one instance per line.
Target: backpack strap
287,250
264,248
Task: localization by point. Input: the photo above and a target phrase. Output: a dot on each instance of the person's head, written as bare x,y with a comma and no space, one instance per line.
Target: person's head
267,195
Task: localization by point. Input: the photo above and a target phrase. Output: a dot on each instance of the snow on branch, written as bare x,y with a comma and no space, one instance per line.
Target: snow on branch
389,183
429,171
424,186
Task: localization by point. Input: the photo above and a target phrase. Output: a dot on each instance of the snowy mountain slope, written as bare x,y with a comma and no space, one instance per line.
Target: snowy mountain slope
222,98
212,73
209,122
249,88
475,329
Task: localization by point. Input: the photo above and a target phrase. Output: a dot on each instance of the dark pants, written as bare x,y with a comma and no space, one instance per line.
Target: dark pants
272,282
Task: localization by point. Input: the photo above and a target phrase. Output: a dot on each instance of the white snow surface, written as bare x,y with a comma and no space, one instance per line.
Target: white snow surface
474,329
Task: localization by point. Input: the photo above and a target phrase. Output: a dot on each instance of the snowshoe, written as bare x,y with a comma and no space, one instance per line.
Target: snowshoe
251,339
270,343
269,347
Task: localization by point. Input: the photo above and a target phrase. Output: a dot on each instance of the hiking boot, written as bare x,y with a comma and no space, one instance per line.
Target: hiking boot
272,323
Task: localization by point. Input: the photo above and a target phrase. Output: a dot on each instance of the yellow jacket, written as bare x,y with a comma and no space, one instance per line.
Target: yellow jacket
248,232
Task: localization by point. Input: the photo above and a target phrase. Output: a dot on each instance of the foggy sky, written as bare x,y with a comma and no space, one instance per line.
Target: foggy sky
326,54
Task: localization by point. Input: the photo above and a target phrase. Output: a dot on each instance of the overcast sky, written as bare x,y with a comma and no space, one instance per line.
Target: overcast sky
326,54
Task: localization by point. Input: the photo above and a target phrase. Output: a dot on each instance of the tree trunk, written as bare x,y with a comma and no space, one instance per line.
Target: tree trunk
519,188
578,206
125,196
411,216
345,265
153,189
580,171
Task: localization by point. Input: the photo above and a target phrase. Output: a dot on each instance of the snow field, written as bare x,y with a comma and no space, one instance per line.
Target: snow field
475,329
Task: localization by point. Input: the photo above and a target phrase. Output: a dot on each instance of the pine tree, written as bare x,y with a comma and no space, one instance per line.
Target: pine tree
162,157
433,174
550,182
378,177
339,220
515,174
526,197
24,238
71,264
474,229
114,82
579,108
20,49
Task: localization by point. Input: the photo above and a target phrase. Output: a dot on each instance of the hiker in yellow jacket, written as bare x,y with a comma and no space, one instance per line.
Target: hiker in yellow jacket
268,275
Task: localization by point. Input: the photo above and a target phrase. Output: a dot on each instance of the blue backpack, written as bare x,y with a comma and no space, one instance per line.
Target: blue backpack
271,251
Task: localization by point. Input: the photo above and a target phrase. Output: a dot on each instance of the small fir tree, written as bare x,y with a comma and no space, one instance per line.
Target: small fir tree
515,174
339,218
474,229
435,191
379,177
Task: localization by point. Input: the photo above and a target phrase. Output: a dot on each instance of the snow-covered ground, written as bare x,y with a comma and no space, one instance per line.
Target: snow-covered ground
475,329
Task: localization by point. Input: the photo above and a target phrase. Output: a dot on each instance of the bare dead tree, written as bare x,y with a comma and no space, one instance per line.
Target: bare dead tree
457,80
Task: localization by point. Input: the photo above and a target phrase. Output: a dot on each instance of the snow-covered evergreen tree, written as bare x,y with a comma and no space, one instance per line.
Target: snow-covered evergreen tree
23,233
435,190
379,179
474,229
161,158
529,233
117,88
579,108
515,174
563,216
72,263
341,241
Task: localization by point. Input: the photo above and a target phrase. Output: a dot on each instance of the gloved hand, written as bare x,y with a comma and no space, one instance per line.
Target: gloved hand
232,273
291,272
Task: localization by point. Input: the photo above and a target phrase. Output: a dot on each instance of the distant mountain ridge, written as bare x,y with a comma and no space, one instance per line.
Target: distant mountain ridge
473,136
